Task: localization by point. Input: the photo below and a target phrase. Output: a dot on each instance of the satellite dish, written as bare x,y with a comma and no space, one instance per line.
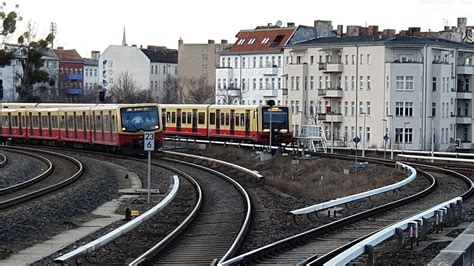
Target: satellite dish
278,23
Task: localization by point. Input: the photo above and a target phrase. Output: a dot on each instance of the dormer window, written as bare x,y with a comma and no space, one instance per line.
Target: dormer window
241,41
251,41
265,40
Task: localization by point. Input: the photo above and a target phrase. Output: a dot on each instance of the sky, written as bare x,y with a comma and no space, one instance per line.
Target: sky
88,25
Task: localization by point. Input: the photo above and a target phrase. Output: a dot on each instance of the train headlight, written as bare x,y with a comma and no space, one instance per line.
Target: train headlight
124,129
284,130
266,130
156,127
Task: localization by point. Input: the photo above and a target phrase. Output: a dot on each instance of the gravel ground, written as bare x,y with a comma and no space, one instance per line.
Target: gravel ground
19,168
36,221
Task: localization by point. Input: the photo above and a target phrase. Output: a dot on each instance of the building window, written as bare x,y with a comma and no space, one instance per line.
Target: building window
311,107
387,108
311,60
352,108
409,83
368,108
346,83
243,62
339,81
434,83
273,83
361,83
408,108
361,107
320,82
297,107
223,62
368,59
297,83
388,83
353,60
347,59
261,84
254,62
346,108
327,82
228,62
311,82
361,59
408,135
433,109
225,84
367,131
399,82
261,61
279,83
368,83
236,62
218,83
279,61
254,83
352,83
243,84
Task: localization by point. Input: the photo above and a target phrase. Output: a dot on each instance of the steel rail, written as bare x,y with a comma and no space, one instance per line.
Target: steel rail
4,160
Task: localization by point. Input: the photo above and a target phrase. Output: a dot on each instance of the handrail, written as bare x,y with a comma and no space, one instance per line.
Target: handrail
238,167
350,198
359,248
104,240
436,158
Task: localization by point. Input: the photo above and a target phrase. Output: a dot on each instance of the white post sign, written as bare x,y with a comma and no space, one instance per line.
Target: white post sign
149,145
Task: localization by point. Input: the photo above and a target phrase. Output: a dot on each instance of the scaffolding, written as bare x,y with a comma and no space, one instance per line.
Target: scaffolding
312,138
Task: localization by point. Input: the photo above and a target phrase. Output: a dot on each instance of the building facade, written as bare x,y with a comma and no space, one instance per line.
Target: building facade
149,68
415,90
71,74
91,74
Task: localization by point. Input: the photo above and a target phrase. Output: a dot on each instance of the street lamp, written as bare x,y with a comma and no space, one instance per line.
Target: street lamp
364,139
332,132
384,133
433,135
404,134
391,136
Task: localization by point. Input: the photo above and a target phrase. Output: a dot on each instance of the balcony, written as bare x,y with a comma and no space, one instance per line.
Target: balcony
331,67
73,91
465,70
74,76
463,119
327,117
465,145
269,93
464,95
331,92
271,71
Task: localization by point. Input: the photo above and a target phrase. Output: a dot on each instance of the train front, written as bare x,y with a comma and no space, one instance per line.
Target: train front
134,121
276,119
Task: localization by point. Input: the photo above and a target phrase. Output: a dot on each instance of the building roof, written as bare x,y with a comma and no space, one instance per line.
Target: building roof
269,39
393,41
68,55
161,55
91,62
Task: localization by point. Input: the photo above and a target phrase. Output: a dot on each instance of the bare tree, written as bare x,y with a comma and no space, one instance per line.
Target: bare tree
198,91
173,90
232,94
126,90
90,95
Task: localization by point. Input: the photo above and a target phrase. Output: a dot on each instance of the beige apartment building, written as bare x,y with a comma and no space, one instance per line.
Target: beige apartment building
199,60
415,90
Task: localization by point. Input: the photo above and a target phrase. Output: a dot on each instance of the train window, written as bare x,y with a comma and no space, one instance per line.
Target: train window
183,118
106,123
173,117
226,119
62,123
113,124
79,122
44,121
98,123
70,122
5,121
237,119
242,119
168,117
189,118
212,118
201,118
15,121
222,119
35,121
54,121
88,124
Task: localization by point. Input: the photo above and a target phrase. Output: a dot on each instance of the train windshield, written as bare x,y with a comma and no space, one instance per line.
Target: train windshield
279,117
139,118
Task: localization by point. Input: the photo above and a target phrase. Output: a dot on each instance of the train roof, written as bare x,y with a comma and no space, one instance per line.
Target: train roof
185,105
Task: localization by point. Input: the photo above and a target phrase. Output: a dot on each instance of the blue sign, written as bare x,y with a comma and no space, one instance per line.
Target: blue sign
386,137
356,139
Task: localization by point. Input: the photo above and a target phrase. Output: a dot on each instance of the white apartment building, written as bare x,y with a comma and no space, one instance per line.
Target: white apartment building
150,68
250,72
416,90
91,74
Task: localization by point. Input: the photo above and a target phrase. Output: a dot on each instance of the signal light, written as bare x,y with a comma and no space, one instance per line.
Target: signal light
102,96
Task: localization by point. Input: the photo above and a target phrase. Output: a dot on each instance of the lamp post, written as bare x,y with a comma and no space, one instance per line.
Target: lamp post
364,138
332,132
384,133
270,103
404,134
433,135
391,136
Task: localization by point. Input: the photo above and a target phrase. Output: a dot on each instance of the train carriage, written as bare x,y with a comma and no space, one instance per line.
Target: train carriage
185,119
278,120
41,124
12,124
233,122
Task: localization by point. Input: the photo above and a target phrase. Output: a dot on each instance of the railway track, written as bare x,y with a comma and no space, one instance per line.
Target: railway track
329,240
214,234
61,171
3,160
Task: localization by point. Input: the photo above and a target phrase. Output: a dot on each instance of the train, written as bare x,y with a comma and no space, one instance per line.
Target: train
120,127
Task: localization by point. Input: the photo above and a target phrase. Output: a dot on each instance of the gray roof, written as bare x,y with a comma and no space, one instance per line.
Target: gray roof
161,55
91,62
393,41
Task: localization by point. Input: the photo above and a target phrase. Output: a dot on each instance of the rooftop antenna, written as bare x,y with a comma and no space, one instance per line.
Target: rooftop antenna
53,29
279,23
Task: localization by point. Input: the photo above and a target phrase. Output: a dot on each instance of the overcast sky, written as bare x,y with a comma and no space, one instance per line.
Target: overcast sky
88,25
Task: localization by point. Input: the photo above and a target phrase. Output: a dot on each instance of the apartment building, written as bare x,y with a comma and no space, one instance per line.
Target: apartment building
71,73
415,90
91,71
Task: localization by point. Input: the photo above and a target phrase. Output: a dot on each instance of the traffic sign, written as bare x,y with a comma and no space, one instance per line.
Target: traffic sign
356,139
149,141
386,137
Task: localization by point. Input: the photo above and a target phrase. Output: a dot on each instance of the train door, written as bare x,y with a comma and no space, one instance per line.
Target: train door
84,119
66,122
20,124
74,119
178,120
30,124
232,122
40,124
113,126
163,118
102,124
247,123
10,129
194,121
109,125
218,121
93,127
50,131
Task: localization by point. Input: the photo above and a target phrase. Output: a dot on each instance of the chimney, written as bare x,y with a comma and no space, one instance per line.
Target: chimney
446,28
388,32
462,24
290,24
95,55
134,45
210,41
414,31
340,29
363,31
223,41
352,30
60,48
373,30
180,42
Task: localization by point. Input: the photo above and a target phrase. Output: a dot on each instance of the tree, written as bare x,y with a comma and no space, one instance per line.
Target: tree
33,82
198,91
127,91
90,95
173,90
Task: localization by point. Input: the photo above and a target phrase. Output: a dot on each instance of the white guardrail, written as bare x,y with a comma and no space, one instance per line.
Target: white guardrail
359,248
104,240
238,167
450,159
373,192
